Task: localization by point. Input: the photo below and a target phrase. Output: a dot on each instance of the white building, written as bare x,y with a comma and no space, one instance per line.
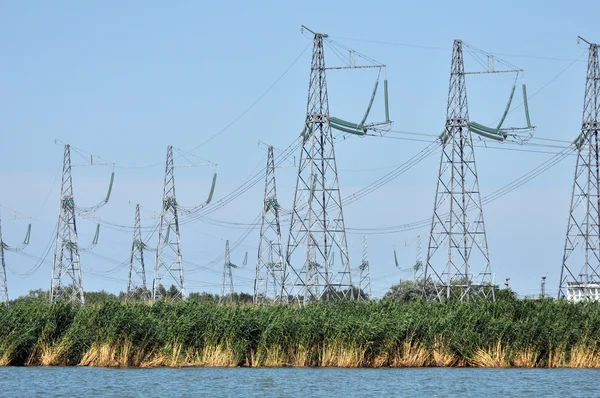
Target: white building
576,291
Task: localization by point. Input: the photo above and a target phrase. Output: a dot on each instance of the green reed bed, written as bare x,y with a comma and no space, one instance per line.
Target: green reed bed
189,333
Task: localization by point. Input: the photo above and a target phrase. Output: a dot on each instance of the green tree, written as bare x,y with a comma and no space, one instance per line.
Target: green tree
100,297
409,290
203,297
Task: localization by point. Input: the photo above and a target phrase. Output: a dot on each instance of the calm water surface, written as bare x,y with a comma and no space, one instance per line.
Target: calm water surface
297,382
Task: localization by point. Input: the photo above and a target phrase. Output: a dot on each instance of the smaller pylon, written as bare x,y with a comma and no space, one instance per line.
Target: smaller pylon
276,268
227,289
3,247
365,272
136,283
269,268
418,267
4,287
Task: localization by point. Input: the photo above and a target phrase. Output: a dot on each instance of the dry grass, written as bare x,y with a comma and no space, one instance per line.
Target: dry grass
557,358
442,355
410,354
220,355
301,357
170,356
43,355
379,361
583,357
270,357
336,355
100,355
494,357
527,358
109,355
5,359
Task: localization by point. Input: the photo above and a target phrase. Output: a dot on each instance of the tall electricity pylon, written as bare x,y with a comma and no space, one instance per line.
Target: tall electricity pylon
136,283
317,223
268,284
580,273
168,253
227,289
365,271
66,270
458,262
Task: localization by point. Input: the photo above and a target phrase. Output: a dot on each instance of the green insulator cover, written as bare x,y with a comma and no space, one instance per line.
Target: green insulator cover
443,137
512,93
364,119
212,188
112,179
95,241
526,106
483,133
346,130
579,140
344,123
27,235
303,132
481,127
385,94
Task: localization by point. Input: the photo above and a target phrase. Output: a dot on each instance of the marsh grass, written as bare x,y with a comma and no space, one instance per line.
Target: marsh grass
335,334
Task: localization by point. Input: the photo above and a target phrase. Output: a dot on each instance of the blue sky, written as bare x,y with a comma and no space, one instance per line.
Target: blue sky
123,80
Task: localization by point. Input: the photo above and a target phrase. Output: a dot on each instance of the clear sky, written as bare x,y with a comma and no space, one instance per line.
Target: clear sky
123,80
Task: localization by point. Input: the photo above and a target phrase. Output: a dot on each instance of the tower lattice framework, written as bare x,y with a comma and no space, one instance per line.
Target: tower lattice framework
66,270
457,261
268,284
136,283
227,288
4,247
317,228
168,266
365,271
4,286
580,273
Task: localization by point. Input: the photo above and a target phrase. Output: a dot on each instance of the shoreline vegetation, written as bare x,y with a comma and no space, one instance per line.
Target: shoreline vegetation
507,333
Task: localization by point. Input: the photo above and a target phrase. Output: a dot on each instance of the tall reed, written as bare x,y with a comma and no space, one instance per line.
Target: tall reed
349,334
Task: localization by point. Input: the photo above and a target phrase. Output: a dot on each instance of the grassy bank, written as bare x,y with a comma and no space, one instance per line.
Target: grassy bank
370,334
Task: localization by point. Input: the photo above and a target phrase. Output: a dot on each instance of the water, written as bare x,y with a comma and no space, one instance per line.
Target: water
296,382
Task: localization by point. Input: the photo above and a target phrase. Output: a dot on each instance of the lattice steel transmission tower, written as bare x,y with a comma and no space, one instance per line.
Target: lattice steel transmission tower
168,253
365,271
136,283
66,270
317,223
457,261
4,286
268,284
3,247
227,289
418,267
580,273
